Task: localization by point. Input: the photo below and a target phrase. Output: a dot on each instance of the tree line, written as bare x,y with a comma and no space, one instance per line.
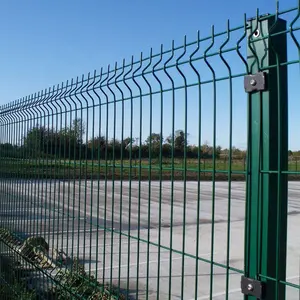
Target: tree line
68,143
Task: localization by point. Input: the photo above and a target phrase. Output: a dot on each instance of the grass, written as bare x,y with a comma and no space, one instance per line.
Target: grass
17,270
135,169
126,169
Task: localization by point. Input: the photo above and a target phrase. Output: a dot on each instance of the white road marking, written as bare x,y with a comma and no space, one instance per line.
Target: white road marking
293,277
217,294
65,232
146,262
135,264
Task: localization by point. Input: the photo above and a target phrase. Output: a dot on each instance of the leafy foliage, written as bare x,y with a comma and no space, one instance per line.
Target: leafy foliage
68,281
83,284
69,143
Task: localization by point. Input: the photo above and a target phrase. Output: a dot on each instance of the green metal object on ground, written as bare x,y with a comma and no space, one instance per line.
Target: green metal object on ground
167,176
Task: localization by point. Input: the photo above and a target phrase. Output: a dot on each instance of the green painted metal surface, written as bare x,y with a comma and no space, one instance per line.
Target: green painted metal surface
268,123
127,183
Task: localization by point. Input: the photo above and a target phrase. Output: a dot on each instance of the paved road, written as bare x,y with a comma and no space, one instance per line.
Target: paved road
103,223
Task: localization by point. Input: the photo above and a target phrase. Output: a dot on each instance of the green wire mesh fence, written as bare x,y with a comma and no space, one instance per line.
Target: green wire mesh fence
160,177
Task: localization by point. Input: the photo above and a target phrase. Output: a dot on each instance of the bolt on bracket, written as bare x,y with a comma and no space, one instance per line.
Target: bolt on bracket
255,82
253,287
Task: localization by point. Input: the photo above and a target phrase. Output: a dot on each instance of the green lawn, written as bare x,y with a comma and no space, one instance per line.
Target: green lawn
144,169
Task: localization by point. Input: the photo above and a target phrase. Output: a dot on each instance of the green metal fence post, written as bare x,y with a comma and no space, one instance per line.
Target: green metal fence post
266,208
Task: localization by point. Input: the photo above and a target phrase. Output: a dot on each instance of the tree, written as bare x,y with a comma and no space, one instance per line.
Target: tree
65,142
210,152
193,151
129,145
77,131
97,142
96,146
72,139
127,141
218,151
154,139
34,137
153,142
9,150
180,141
206,150
166,150
113,149
35,140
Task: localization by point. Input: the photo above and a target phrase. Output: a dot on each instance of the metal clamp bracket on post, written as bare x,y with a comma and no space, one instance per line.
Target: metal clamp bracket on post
251,287
255,82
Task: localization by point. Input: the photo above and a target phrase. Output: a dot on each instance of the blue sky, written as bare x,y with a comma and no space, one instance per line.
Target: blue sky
47,42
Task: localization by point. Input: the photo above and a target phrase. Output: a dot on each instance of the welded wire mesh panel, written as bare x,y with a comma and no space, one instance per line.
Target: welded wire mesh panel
130,182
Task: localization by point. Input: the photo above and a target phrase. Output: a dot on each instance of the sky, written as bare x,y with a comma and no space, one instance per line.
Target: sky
48,42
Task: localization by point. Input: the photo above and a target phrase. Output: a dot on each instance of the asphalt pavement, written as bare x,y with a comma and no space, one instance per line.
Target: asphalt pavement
156,239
